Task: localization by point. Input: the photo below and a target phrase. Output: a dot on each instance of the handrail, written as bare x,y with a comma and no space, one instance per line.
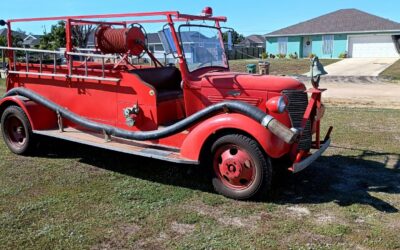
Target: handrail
58,52
92,55
13,68
175,14
32,50
124,15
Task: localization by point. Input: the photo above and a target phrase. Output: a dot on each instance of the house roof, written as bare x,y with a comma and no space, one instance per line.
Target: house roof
254,39
3,32
153,38
339,22
32,40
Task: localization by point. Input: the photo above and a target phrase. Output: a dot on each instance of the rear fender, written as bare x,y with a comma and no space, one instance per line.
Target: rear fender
40,117
194,142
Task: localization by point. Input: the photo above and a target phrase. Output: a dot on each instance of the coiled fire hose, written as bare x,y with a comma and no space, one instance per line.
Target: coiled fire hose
273,125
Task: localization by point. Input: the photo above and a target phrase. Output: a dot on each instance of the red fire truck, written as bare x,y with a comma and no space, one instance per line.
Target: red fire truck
239,126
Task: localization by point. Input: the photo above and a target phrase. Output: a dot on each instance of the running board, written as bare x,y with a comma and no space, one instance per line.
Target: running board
117,145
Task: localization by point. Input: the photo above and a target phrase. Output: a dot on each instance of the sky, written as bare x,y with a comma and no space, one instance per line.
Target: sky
246,17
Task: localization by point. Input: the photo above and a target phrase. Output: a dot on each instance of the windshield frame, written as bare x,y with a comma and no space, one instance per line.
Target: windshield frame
225,56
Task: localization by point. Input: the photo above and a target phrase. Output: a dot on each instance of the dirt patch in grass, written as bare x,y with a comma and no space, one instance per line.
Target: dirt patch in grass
119,237
182,228
299,211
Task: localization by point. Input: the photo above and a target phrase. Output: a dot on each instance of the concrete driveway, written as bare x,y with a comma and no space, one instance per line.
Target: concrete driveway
360,66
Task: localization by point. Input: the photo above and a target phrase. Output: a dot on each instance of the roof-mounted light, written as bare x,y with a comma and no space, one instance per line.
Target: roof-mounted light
207,12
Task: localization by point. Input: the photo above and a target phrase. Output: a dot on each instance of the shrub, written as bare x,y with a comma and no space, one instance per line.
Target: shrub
294,56
281,56
264,55
343,55
272,56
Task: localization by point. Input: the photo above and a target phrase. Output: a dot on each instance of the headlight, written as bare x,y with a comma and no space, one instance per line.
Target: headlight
277,104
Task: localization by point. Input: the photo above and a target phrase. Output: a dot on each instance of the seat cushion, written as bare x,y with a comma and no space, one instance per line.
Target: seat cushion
162,79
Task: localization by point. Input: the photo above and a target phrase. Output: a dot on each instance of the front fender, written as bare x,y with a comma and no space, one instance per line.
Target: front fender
39,116
194,142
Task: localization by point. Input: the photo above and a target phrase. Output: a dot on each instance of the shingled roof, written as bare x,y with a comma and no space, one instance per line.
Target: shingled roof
341,21
256,38
3,32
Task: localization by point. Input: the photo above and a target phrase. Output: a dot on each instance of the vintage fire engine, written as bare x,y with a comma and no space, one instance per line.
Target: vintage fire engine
239,126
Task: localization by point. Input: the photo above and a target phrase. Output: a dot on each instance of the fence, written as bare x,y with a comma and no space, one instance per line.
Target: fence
244,53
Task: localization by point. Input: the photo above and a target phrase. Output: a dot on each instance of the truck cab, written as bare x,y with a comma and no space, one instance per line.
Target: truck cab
197,111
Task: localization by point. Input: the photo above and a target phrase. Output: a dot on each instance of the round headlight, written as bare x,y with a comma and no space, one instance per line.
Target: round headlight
277,104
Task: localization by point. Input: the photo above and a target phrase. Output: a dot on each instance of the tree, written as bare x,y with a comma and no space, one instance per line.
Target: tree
16,40
3,41
57,37
81,35
236,37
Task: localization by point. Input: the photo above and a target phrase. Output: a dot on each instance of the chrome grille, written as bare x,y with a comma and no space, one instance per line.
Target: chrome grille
298,101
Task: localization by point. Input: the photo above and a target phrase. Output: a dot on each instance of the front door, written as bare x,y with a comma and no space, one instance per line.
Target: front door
307,46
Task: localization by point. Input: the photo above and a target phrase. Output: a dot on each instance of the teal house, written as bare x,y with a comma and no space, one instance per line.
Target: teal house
349,32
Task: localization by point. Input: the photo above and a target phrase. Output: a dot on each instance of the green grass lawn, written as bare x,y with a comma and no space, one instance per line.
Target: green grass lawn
2,86
393,72
280,66
77,197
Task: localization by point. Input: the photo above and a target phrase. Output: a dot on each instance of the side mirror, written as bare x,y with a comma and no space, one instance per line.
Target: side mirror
230,38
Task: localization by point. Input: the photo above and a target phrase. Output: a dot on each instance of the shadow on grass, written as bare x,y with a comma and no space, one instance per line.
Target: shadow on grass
346,180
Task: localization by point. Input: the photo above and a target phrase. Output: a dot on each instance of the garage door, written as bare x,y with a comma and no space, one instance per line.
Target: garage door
372,46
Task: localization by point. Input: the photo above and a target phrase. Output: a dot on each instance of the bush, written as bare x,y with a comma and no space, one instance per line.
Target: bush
264,55
294,56
272,56
281,56
343,55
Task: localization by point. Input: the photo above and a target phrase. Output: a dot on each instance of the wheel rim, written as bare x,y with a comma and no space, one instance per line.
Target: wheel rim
15,132
234,167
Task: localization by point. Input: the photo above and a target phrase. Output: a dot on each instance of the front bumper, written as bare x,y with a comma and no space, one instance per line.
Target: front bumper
299,166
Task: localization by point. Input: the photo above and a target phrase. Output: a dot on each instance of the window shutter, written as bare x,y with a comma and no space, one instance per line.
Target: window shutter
327,46
282,45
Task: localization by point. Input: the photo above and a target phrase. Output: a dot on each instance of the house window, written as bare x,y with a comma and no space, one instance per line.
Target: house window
327,45
282,45
158,47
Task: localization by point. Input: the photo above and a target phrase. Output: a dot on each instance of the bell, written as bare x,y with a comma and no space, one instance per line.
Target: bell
316,68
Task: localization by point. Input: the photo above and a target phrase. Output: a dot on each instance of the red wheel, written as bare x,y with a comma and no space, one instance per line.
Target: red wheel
234,166
241,171
16,130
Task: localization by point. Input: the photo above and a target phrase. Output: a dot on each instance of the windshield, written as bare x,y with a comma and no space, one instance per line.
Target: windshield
202,46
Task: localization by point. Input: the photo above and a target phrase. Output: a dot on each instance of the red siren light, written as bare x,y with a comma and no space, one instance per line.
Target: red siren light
207,11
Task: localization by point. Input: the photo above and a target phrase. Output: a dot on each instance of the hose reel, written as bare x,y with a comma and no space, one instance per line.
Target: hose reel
131,41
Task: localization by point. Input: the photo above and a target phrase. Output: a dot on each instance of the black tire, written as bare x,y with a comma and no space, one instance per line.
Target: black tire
16,130
261,168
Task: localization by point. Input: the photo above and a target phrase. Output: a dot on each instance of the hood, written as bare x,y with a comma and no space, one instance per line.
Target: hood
233,80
